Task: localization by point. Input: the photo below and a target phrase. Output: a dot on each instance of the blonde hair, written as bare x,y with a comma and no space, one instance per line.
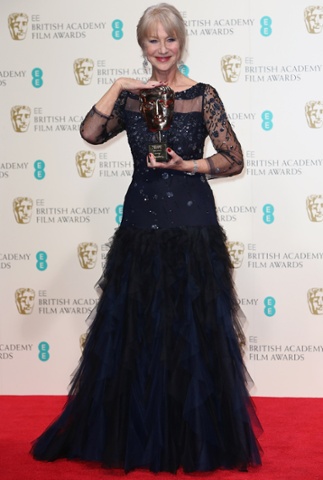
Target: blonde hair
168,16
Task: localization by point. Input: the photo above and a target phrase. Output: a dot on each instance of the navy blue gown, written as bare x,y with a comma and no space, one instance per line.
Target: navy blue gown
161,384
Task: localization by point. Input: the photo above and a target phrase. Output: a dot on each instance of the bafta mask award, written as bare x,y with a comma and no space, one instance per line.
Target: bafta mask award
157,107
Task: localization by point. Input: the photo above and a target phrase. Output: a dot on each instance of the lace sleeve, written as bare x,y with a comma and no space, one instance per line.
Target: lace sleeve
228,160
98,128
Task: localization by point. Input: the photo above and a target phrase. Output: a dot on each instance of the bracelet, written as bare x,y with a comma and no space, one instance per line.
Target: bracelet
195,168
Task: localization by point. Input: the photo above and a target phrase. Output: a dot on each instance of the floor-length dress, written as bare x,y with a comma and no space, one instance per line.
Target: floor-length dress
161,383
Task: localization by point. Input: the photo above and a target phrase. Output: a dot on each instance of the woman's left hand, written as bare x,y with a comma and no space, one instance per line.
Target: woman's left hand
175,162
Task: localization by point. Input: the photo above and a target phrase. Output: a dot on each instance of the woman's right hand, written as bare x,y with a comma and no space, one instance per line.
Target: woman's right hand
133,85
106,103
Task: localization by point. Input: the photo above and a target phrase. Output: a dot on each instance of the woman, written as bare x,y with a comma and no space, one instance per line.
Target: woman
162,384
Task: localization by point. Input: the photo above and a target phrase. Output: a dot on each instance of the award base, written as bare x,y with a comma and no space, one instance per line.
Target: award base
160,151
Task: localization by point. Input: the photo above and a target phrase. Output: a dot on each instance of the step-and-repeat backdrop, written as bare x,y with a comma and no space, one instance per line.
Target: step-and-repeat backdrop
61,199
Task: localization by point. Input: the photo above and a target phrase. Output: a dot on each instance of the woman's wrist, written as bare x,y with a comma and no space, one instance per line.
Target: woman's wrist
194,167
118,85
199,166
106,103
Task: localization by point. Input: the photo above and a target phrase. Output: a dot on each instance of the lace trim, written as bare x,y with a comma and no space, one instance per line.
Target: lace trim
102,115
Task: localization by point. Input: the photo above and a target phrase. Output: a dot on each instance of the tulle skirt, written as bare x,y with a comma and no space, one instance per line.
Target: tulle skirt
161,384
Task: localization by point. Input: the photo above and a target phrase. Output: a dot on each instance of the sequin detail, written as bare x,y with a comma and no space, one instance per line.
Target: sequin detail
198,113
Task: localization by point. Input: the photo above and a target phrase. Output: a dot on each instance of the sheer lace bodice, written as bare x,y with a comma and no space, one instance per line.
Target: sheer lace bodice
198,113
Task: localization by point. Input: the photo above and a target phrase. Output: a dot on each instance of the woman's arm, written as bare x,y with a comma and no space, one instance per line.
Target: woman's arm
228,159
105,119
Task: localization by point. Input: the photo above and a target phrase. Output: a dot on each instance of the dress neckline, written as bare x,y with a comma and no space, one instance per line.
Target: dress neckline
177,94
187,89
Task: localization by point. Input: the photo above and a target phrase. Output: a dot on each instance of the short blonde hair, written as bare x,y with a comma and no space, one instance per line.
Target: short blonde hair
168,16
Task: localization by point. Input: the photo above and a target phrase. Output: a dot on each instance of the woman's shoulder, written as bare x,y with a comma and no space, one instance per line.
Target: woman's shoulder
209,88
197,89
210,93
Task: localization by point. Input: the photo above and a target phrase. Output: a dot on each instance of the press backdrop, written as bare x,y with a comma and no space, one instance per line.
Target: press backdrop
61,199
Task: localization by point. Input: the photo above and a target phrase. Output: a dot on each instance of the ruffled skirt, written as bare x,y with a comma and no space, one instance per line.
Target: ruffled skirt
161,383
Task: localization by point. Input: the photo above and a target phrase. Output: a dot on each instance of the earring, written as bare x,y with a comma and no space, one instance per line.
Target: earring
180,64
145,65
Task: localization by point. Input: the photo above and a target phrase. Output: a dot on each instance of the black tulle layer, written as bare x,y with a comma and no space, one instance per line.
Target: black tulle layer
161,384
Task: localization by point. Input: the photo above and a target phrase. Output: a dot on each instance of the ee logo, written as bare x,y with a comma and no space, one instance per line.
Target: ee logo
37,80
117,26
265,26
184,69
269,309
268,211
119,212
41,258
39,167
267,118
43,349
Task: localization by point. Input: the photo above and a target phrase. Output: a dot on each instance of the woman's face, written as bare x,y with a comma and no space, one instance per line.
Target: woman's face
162,50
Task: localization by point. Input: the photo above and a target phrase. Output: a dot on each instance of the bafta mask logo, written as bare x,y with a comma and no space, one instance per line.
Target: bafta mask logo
20,118
85,163
22,209
313,17
236,251
25,298
18,24
83,70
314,207
315,300
87,253
82,341
231,68
314,113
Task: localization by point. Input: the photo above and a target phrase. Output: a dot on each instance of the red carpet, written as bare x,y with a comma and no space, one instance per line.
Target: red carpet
292,443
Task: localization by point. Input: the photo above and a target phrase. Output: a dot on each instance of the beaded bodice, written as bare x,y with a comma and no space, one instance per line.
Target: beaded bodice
159,198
